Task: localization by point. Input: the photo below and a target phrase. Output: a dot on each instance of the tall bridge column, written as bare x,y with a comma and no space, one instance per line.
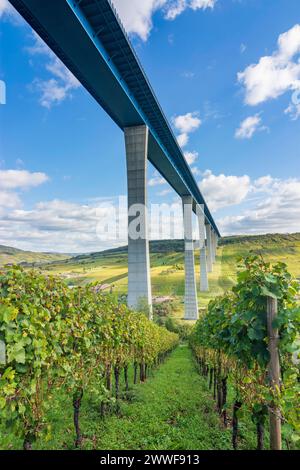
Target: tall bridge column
190,297
217,242
139,281
203,262
214,246
209,248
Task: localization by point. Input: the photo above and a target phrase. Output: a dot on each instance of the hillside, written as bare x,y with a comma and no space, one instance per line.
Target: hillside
9,255
176,246
110,267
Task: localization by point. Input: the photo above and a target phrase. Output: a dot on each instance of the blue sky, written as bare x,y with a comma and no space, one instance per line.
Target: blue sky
227,74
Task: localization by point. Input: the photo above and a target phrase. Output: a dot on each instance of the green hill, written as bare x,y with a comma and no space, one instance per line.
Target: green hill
110,267
177,246
9,255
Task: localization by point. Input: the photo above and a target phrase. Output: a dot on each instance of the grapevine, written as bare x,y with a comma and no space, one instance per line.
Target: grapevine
231,343
55,336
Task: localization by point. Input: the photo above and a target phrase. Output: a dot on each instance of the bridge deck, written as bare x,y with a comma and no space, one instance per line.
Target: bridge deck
89,39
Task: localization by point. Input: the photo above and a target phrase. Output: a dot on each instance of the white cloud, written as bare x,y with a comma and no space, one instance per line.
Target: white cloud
42,227
289,43
268,205
54,90
176,7
182,139
39,47
136,15
57,68
14,181
9,199
196,171
197,4
294,111
185,124
157,180
263,183
165,192
191,157
4,7
249,127
276,74
51,92
77,227
294,107
6,10
277,209
21,179
222,191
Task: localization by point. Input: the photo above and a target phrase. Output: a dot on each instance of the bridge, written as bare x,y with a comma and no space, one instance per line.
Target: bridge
89,39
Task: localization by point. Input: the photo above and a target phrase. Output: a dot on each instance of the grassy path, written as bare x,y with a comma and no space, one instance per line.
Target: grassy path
172,410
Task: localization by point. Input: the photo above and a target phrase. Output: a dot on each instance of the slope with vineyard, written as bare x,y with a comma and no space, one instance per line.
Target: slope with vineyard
109,268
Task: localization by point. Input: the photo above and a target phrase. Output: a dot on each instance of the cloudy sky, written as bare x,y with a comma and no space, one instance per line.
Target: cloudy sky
227,74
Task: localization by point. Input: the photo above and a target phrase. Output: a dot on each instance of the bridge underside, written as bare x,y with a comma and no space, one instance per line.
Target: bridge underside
89,40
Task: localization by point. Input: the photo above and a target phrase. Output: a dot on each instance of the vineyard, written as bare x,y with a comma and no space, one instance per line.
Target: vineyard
89,348
239,342
58,337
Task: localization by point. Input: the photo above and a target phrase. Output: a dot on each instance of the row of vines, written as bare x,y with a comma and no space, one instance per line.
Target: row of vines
54,337
232,344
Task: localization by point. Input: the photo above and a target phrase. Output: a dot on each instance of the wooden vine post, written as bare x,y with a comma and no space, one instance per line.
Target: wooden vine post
274,374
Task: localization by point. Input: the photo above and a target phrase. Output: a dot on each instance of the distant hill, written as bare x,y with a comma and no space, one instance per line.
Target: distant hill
177,246
156,246
10,255
261,239
110,267
276,243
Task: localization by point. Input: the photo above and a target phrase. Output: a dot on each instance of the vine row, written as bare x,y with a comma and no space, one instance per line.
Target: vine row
232,345
56,337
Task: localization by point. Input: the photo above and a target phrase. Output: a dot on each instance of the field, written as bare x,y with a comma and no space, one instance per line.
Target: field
167,265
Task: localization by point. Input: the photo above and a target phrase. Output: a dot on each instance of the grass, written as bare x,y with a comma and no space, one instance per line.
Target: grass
172,410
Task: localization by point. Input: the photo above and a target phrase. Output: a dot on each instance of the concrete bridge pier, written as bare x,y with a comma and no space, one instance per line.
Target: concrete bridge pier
203,261
216,243
139,281
213,241
209,248
190,297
